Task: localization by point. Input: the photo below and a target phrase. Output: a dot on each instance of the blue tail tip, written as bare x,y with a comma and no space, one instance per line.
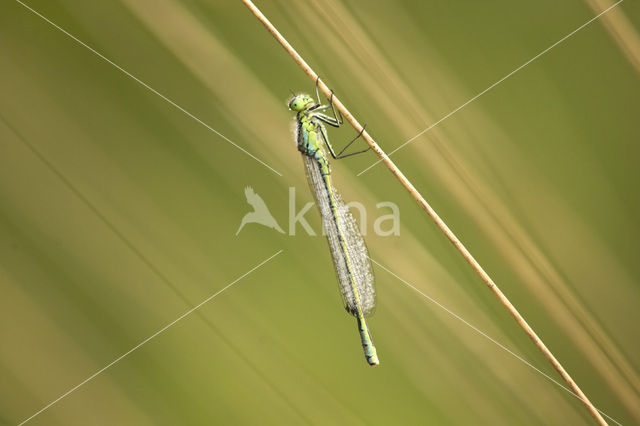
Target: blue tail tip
372,358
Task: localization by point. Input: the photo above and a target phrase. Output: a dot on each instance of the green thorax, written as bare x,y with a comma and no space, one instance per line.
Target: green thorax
310,139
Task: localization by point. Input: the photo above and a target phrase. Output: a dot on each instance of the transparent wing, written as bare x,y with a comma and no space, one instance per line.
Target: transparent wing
352,263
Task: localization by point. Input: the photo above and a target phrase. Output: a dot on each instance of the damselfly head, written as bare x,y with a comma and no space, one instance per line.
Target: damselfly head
300,102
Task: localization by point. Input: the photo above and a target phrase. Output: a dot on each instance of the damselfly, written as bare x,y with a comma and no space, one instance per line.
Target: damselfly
348,249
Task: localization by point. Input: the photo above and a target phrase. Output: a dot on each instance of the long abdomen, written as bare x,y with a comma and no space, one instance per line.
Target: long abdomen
348,249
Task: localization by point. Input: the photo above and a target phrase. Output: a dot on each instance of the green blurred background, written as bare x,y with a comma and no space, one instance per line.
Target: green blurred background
118,212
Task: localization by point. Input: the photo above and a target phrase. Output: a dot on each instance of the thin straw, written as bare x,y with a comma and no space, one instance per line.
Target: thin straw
430,211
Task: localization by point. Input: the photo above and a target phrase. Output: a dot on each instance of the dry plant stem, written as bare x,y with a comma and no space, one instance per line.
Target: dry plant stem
427,208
